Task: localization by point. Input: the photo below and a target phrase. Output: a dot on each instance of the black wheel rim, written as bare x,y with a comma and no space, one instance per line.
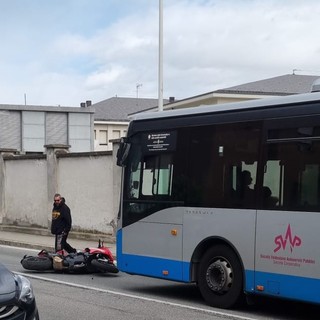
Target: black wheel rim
219,276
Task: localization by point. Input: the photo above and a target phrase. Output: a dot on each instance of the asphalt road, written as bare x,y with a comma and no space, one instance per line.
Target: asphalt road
124,297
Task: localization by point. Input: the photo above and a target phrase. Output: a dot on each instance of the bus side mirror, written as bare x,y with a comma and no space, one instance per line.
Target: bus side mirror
123,152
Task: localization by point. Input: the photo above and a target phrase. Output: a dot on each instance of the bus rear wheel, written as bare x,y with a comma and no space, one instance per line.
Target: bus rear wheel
220,277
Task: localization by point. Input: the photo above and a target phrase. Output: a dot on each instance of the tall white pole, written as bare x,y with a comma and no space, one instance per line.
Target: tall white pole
160,80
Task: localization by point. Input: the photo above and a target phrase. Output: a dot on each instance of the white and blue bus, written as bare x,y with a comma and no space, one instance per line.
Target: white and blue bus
225,196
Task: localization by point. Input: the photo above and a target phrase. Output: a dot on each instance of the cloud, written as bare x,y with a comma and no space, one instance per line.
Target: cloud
69,51
103,78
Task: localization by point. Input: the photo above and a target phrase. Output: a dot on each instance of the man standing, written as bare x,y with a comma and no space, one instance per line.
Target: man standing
61,224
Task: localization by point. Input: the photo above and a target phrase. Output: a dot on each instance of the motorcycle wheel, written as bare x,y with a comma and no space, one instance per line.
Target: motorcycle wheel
37,263
104,266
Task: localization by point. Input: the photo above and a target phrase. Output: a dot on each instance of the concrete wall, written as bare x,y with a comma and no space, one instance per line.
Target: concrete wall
24,194
89,181
87,184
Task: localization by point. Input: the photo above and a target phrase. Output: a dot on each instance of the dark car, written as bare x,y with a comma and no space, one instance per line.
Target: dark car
17,300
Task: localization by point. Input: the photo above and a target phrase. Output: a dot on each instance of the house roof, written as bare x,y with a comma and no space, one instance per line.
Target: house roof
280,86
277,86
118,108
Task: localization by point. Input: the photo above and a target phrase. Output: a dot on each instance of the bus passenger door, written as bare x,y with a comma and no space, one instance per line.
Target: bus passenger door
152,221
287,235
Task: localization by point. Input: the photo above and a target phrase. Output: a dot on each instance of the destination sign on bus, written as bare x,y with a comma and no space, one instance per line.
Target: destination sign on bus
160,141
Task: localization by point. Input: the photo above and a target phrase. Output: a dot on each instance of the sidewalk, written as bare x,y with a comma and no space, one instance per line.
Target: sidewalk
38,239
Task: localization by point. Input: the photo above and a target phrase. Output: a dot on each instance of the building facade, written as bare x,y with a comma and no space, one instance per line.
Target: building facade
111,119
27,129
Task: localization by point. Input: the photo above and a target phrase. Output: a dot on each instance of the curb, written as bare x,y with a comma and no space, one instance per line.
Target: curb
19,244
72,235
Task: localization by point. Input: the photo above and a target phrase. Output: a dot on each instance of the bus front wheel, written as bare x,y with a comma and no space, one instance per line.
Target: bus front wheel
220,277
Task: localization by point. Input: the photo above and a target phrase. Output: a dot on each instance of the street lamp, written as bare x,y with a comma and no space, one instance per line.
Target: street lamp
160,79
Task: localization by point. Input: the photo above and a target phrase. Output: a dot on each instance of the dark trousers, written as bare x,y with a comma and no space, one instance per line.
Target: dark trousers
61,243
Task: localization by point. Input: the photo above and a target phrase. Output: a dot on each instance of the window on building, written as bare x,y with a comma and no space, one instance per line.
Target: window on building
116,134
103,137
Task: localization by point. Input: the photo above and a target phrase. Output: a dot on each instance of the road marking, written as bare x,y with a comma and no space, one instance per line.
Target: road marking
221,314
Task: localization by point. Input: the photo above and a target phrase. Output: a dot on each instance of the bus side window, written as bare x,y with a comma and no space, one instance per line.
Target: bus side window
310,178
234,165
292,172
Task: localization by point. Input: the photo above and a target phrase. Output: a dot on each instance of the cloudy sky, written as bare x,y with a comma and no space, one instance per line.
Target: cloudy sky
63,52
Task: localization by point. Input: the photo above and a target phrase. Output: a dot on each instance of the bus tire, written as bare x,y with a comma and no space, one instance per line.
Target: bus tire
220,278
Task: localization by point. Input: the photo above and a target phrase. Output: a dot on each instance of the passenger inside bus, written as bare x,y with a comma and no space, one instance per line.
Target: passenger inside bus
246,195
269,201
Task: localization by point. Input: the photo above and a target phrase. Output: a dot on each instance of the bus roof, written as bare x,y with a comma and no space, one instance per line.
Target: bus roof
243,105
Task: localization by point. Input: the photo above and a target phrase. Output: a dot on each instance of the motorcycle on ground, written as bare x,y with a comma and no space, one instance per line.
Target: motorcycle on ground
90,260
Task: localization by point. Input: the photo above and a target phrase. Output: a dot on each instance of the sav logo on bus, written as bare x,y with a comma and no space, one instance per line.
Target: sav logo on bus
282,241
